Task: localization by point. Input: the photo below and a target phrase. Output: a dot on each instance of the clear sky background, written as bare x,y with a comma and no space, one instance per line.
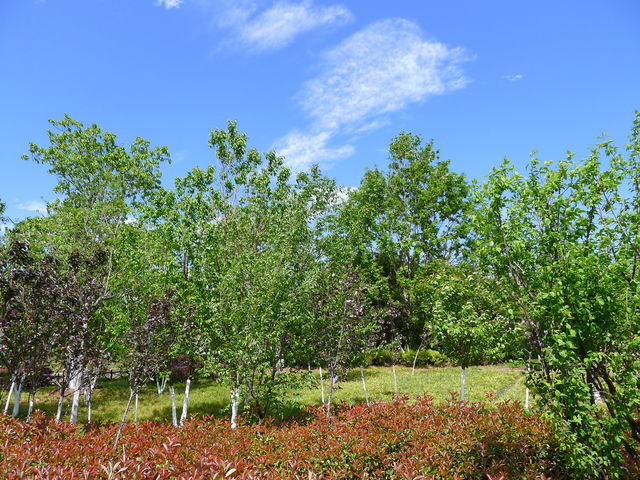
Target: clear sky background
318,80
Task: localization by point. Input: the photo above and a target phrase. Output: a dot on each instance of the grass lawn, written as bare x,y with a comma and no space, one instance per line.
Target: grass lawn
208,397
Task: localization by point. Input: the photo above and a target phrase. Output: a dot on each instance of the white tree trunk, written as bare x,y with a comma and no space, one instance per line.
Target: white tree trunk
415,359
89,405
185,403
31,400
6,405
124,418
161,384
331,379
135,413
60,402
235,404
526,393
172,393
309,370
17,396
364,385
322,387
462,382
395,379
75,385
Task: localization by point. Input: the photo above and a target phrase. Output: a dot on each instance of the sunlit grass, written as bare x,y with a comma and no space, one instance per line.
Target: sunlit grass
211,398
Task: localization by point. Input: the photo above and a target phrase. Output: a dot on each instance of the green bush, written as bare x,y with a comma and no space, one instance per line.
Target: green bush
379,357
426,357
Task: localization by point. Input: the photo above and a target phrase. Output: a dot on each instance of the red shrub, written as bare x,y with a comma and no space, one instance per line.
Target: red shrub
386,440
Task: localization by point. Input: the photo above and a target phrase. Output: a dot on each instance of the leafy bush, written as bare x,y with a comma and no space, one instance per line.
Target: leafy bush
379,357
426,357
386,440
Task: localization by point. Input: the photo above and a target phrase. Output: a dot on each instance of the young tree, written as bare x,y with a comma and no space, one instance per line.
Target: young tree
566,236
29,289
101,185
409,217
467,323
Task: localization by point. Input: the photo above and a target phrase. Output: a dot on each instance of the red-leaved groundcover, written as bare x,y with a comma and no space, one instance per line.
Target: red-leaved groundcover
397,439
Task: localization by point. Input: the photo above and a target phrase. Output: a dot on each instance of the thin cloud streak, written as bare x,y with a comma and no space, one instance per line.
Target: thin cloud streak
169,4
277,26
513,78
377,71
37,206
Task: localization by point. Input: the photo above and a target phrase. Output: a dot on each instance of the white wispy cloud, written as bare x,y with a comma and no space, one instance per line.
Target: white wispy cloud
375,72
258,29
38,206
168,4
301,149
278,26
513,78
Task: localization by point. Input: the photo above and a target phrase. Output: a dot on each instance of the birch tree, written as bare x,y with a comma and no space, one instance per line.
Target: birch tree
100,185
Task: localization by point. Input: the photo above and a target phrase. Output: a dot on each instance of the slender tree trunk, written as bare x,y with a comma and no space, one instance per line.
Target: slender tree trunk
89,405
60,402
462,382
331,379
76,383
395,378
526,393
364,385
185,403
322,387
309,370
235,404
124,418
135,412
161,384
281,403
172,393
17,396
415,359
6,405
32,395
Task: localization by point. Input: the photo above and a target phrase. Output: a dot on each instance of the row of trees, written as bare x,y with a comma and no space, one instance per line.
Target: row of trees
245,273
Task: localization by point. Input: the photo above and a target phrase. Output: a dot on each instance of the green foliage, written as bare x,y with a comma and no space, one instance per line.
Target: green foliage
426,357
567,237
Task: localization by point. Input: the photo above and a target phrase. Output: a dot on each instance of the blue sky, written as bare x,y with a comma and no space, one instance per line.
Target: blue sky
318,80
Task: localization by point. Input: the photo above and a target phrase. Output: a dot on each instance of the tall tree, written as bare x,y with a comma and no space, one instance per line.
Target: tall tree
567,237
101,185
409,217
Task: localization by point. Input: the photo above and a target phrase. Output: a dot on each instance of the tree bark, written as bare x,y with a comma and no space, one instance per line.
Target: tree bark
124,418
364,385
32,396
395,378
185,403
60,402
161,384
462,382
322,387
331,379
235,404
17,395
172,393
6,405
89,405
76,383
415,359
135,411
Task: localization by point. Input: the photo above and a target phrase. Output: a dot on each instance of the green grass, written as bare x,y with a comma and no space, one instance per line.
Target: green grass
208,397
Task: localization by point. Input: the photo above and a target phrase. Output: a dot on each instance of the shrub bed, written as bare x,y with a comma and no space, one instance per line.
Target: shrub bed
395,439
